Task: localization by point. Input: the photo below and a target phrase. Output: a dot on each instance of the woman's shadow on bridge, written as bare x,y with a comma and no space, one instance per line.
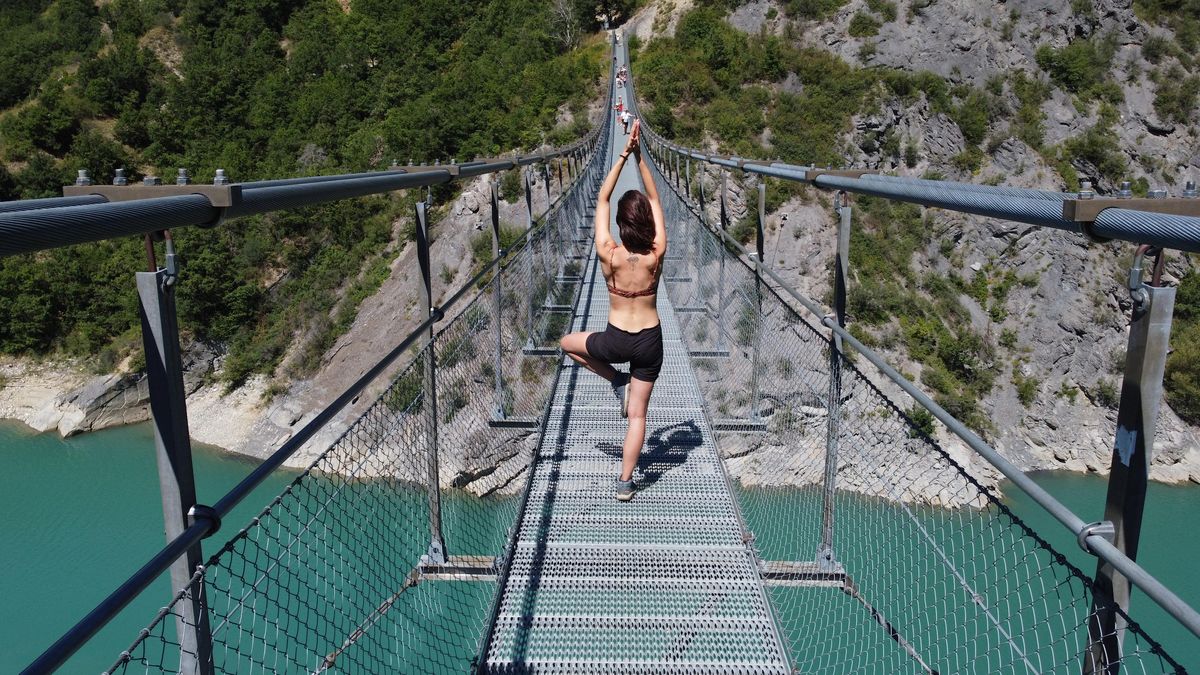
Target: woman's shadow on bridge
666,447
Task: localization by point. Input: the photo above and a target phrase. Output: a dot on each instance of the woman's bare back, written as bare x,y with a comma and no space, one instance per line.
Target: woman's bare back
632,282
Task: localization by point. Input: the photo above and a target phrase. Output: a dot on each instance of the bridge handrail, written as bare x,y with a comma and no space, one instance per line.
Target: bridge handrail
36,224
106,220
1035,207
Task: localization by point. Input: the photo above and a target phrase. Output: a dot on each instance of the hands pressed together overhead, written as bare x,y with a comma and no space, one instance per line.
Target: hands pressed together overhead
634,143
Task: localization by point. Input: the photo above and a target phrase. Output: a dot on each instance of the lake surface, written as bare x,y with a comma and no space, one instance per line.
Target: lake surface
81,514
1169,548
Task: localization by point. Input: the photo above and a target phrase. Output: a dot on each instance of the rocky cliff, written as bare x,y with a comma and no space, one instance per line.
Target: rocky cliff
1058,335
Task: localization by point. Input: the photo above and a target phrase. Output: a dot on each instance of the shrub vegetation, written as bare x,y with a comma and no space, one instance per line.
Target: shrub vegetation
261,89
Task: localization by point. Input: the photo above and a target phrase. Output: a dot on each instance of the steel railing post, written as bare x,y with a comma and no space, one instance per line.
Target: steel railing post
1133,450
687,177
691,247
497,322
529,341
826,557
697,238
688,272
437,544
168,409
723,248
758,315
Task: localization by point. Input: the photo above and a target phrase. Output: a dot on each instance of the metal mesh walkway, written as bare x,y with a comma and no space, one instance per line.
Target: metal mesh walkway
663,583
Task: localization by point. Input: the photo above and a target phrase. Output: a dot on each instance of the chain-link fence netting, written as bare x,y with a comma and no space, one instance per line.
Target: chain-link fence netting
362,564
898,558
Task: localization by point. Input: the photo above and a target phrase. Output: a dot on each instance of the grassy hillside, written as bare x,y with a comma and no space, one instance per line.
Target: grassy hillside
261,88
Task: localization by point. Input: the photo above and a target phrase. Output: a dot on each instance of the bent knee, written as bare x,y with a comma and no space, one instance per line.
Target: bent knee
574,343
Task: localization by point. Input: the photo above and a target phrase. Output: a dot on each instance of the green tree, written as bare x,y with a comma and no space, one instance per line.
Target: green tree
1081,66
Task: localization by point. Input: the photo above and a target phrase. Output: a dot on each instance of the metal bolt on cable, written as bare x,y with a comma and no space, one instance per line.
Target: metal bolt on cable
1189,190
182,178
1126,190
82,178
1137,290
220,178
151,180
1085,190
1158,193
119,178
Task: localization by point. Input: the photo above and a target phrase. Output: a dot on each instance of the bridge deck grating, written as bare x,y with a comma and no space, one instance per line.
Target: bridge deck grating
664,583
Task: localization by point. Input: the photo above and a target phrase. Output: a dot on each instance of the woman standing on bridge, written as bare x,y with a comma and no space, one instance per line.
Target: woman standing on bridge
633,335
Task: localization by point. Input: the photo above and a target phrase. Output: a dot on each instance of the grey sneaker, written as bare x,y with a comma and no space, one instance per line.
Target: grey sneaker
624,490
622,392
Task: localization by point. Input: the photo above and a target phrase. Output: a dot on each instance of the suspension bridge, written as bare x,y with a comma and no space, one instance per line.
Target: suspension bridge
465,520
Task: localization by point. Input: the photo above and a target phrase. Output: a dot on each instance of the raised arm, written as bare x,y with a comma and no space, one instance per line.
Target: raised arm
651,190
604,239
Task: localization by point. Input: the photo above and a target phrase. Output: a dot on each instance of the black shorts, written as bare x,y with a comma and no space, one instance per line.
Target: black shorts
643,350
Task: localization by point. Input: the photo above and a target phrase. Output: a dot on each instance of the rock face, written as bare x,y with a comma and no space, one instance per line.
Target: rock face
106,401
1070,321
1071,327
53,398
63,398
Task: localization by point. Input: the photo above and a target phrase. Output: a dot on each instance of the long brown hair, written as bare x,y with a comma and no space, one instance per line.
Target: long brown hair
635,220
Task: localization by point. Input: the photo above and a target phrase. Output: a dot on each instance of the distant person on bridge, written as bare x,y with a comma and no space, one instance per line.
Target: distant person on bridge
633,335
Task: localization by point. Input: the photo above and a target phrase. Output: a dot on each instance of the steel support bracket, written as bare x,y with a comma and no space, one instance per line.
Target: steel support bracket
436,555
202,512
512,164
812,175
1087,210
451,169
1101,528
827,559
743,163
220,196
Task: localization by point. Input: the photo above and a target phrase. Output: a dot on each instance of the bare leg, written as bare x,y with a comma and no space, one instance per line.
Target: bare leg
575,345
635,436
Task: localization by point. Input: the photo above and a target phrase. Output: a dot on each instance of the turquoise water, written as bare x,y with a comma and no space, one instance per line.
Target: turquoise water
81,514
894,555
1169,549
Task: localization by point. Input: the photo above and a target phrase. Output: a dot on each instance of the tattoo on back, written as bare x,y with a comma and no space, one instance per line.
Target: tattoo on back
633,259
